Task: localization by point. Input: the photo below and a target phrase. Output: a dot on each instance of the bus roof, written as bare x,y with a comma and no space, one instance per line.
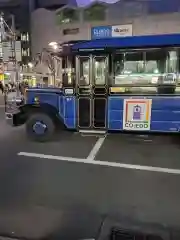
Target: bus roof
130,42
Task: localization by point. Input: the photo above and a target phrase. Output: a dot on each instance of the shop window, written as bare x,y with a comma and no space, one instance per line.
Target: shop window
97,12
67,15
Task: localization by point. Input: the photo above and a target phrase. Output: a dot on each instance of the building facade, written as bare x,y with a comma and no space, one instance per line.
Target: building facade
17,16
71,23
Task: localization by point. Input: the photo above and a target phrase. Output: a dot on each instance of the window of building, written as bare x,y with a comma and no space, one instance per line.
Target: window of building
26,52
132,8
70,31
25,37
97,12
67,15
64,63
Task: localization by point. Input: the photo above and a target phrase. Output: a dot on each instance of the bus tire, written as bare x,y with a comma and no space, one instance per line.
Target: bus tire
40,127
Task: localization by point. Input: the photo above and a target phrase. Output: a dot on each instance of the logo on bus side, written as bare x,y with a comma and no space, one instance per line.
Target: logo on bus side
137,114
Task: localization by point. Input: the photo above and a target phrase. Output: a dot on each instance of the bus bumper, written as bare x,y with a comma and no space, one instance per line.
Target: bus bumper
9,119
12,112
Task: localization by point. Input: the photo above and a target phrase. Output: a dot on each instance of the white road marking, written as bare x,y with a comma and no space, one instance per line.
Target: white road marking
102,163
96,148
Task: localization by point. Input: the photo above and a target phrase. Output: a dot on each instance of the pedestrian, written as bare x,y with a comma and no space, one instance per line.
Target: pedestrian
1,87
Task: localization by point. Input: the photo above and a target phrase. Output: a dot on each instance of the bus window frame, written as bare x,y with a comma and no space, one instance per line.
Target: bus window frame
145,50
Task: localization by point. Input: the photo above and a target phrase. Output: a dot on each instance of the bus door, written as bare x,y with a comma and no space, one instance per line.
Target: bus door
92,91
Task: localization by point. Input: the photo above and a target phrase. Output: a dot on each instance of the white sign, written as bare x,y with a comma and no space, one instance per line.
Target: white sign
122,30
69,91
137,114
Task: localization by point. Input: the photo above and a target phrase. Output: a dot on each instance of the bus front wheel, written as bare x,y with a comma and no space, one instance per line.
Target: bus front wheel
40,127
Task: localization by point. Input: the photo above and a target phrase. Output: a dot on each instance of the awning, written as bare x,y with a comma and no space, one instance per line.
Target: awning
130,42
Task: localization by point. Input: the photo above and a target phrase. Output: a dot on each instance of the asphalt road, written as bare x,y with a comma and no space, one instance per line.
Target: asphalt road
133,184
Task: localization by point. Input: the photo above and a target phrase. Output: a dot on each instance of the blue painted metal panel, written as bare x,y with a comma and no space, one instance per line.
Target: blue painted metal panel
45,90
168,103
66,105
61,106
165,113
43,97
126,42
70,112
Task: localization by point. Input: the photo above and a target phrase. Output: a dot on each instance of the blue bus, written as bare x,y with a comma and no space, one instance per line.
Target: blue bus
129,84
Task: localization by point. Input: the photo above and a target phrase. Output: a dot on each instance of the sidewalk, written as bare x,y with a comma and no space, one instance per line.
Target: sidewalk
1,100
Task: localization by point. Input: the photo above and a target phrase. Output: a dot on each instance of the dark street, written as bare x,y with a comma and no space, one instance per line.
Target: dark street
57,193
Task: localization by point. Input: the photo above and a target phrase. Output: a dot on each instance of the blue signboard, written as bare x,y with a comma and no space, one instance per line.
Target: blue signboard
101,32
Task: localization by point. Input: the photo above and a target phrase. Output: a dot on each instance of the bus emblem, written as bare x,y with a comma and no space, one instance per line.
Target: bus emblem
137,114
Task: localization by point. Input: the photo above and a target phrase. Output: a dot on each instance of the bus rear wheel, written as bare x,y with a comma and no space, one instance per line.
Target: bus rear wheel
40,127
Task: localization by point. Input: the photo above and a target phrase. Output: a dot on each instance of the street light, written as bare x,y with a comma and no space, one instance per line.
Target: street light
30,65
54,45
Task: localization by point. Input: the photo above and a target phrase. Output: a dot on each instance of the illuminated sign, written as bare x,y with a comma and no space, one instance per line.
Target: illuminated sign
101,32
122,30
111,31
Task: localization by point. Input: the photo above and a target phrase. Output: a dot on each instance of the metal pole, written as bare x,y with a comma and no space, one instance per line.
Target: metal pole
13,28
54,71
1,35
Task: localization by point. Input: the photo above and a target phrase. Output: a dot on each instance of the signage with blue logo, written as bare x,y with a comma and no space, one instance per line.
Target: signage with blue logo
101,32
111,31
